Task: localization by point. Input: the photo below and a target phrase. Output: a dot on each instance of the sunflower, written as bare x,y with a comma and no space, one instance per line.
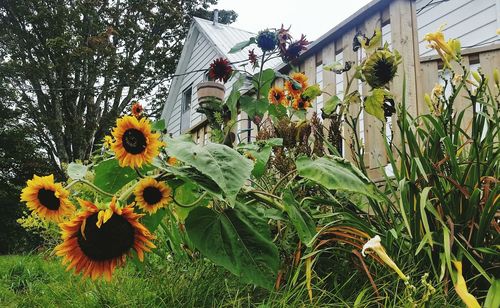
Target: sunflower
135,144
300,104
380,67
172,161
297,84
97,241
47,199
137,110
277,96
267,40
107,141
220,69
151,195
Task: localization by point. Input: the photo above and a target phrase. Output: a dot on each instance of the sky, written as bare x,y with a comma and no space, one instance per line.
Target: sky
310,17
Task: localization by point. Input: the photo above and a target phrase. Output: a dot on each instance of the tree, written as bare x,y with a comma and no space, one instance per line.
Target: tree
74,66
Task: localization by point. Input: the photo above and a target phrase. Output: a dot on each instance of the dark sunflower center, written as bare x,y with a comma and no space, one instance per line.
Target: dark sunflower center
134,141
48,199
112,240
277,96
383,71
151,195
301,104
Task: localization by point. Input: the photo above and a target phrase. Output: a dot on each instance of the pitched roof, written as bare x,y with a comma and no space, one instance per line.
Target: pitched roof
224,37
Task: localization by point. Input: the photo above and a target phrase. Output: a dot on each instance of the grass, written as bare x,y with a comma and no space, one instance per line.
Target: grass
38,281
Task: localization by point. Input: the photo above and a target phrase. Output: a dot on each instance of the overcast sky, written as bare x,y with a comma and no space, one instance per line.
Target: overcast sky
310,17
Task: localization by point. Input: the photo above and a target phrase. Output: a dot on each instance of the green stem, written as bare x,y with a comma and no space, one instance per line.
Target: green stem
89,184
267,198
191,204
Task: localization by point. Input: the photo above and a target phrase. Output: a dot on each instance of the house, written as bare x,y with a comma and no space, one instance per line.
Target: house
404,24
206,41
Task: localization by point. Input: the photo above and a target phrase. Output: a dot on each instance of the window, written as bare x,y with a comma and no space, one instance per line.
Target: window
386,33
186,109
319,81
339,78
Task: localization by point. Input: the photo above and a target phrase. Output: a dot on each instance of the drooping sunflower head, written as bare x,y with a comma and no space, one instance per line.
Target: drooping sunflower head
294,49
277,96
267,40
380,67
135,144
297,84
137,110
220,69
150,195
97,241
48,199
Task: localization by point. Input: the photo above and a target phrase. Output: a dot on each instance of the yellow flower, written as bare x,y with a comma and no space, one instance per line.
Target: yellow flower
97,241
108,141
457,79
446,50
374,245
48,199
135,144
297,84
461,288
151,195
172,161
277,96
437,91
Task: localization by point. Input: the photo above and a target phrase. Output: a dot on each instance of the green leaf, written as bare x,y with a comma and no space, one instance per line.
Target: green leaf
374,103
266,79
219,163
312,92
241,45
187,193
77,171
493,296
336,173
261,153
277,111
158,125
237,239
234,96
253,107
303,223
110,177
330,105
152,221
336,66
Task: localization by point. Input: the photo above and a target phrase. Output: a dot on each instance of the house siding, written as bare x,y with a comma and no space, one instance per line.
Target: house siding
202,55
474,22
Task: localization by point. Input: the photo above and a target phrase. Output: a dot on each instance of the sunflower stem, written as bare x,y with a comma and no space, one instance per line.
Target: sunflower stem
124,195
89,184
191,204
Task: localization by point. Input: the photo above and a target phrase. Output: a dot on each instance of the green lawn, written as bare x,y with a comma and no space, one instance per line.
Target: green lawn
32,281
39,281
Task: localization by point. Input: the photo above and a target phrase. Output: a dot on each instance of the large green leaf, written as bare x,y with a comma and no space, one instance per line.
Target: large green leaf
110,177
303,223
493,296
335,173
330,105
234,96
219,163
237,239
254,107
